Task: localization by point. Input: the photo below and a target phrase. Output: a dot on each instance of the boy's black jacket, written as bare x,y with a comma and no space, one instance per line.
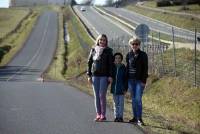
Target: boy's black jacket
120,83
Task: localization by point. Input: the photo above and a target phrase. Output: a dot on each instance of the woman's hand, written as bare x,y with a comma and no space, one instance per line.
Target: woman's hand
143,84
90,80
110,80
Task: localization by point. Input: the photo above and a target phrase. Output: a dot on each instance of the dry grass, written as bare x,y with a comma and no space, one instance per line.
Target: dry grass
10,18
176,20
17,39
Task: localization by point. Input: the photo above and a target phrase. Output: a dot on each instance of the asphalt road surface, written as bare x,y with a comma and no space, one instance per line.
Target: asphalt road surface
37,53
153,24
101,24
28,106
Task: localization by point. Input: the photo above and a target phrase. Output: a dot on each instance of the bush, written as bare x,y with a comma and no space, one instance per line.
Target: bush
181,2
163,3
4,50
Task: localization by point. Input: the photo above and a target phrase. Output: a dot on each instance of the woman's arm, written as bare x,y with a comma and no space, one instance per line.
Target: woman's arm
90,61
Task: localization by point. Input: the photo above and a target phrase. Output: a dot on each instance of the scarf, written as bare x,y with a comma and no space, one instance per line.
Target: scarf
99,51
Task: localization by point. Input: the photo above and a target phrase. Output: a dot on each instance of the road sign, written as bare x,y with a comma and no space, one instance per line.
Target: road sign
142,32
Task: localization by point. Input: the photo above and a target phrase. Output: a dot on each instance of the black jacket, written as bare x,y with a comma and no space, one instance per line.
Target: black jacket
102,67
141,64
120,83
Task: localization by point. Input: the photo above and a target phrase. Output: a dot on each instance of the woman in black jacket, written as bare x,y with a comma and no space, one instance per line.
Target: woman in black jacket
137,72
100,63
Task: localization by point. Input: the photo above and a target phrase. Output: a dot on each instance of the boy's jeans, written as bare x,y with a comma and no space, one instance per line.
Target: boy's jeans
118,105
136,90
100,85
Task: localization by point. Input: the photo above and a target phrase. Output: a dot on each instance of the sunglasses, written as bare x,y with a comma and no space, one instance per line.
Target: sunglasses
135,44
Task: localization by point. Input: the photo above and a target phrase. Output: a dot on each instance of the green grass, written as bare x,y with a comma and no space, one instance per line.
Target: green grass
75,51
17,39
150,4
55,69
176,101
194,8
176,20
184,61
10,18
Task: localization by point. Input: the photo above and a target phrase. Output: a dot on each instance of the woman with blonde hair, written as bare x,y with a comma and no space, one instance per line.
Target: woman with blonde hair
137,72
100,63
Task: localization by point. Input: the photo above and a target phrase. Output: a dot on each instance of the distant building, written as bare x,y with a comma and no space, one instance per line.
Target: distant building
5,3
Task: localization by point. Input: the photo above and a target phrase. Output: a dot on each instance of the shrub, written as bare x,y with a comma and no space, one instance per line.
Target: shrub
163,3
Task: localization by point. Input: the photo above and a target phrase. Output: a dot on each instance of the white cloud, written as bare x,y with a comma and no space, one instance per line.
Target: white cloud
4,3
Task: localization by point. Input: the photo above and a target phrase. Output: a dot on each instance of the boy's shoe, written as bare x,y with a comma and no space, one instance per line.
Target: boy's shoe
140,122
134,120
97,118
116,120
120,120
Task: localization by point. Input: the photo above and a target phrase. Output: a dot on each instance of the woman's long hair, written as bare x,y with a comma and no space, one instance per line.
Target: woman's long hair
99,37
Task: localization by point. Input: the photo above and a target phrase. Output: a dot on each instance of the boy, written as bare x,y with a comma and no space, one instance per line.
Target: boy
119,86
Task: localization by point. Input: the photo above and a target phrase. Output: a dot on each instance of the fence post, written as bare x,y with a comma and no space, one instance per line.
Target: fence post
174,52
195,59
152,53
161,52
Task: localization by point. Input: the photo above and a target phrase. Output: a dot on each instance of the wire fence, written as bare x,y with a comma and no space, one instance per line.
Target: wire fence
169,55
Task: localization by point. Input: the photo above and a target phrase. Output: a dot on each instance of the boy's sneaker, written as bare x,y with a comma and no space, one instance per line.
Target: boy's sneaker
116,120
134,120
140,122
120,120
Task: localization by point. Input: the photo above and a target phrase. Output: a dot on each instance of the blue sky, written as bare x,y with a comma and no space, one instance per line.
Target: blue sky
4,3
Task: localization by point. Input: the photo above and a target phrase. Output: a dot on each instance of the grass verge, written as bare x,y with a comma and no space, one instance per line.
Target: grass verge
71,57
193,8
56,67
77,55
176,20
10,18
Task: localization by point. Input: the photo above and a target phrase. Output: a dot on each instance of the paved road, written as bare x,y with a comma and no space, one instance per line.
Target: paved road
100,24
51,108
31,107
153,24
36,55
